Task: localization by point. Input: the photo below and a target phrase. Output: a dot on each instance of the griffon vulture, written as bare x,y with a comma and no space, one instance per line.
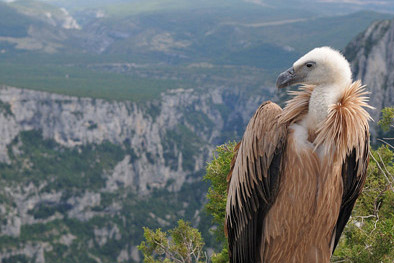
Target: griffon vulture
297,172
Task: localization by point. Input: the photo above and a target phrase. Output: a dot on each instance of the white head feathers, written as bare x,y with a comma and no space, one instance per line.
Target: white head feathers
328,66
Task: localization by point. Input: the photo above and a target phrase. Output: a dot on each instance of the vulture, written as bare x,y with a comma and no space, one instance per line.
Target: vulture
297,172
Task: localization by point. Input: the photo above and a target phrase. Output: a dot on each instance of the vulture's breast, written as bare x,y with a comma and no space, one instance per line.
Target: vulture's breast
310,196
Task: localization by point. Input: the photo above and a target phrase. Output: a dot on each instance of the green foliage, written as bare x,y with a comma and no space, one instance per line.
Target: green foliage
16,259
263,55
83,82
217,171
221,257
5,109
45,210
181,244
387,120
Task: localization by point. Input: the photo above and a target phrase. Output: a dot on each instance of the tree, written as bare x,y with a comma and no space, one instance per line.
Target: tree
217,172
183,244
387,119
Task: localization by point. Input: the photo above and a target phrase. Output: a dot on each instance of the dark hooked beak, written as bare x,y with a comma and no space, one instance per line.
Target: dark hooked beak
286,78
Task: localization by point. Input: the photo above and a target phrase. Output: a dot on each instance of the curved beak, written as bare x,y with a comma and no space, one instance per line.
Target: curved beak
286,78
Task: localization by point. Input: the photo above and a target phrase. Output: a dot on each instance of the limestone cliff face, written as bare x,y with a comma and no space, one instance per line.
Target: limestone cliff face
160,145
73,122
372,60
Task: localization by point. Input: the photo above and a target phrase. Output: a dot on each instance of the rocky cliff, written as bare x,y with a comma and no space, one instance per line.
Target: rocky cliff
372,59
80,177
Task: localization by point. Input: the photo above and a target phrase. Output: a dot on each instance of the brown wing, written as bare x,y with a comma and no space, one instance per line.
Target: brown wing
354,172
254,183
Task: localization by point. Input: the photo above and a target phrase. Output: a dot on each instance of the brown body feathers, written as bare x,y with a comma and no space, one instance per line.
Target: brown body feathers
290,197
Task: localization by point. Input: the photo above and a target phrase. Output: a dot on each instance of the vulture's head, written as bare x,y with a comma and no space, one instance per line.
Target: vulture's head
321,66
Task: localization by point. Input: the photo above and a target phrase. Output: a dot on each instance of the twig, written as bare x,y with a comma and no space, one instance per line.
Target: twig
385,168
168,252
376,222
380,168
364,217
383,141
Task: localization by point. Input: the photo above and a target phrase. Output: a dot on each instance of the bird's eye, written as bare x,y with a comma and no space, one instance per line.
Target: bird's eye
309,65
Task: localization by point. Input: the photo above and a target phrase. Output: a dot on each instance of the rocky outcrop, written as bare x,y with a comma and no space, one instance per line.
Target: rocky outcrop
73,122
372,60
160,145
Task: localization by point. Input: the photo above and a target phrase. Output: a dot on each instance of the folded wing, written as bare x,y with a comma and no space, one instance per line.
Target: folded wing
254,182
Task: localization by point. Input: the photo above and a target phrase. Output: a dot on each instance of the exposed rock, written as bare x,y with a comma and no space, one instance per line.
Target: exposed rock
123,175
135,255
67,239
165,144
81,206
129,254
74,122
372,60
105,233
12,226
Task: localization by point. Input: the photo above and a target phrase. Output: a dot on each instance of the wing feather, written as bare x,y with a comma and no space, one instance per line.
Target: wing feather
354,172
254,182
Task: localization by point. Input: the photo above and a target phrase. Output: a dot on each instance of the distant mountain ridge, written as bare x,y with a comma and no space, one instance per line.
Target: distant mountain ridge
28,26
57,17
210,30
328,7
38,40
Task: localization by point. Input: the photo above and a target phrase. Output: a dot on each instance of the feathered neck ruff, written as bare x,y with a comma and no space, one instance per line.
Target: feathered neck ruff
346,125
